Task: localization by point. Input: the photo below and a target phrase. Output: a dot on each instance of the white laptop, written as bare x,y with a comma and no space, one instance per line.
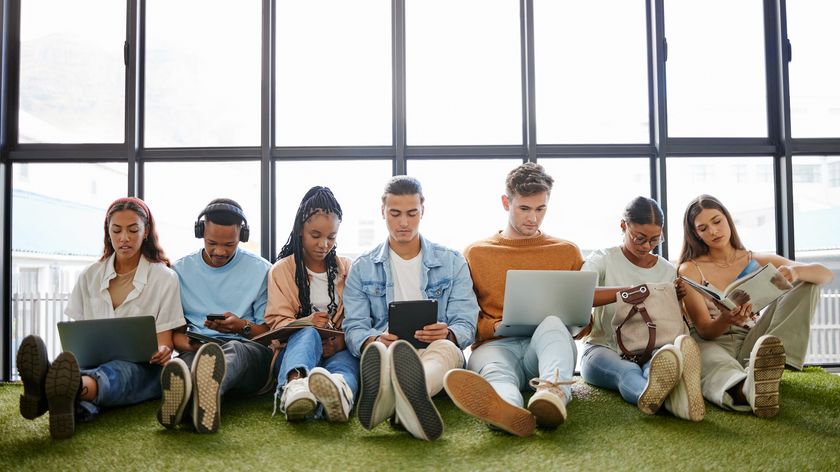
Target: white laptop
532,295
95,342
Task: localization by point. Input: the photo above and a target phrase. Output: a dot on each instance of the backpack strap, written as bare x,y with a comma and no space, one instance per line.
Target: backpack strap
636,296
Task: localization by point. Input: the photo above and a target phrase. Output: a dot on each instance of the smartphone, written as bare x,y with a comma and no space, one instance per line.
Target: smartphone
215,317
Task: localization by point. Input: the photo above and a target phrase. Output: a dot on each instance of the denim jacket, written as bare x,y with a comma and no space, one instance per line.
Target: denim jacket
370,287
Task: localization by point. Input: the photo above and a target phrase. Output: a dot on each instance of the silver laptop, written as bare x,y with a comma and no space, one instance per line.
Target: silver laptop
532,295
95,342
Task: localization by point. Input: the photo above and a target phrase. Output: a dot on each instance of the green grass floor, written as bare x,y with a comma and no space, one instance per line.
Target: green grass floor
602,433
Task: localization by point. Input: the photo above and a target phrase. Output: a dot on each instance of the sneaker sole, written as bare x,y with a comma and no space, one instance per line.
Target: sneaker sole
208,371
664,374
32,365
300,409
372,383
410,385
475,396
328,395
767,371
692,365
61,386
176,390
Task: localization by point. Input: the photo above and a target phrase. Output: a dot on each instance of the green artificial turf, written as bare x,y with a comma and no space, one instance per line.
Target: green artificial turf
602,433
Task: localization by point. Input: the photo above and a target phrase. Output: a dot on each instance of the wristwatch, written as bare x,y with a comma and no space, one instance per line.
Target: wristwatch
246,330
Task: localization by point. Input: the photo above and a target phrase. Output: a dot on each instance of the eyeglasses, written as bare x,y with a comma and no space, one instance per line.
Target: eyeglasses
641,240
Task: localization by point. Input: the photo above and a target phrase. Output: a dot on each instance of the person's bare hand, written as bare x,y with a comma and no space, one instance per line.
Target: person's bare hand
679,286
231,324
432,332
320,319
162,355
737,316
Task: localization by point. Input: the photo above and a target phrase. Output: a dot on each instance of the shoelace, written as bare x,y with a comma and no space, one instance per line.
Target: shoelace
538,383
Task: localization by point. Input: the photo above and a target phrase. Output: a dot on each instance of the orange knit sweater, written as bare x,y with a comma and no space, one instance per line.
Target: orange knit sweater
491,258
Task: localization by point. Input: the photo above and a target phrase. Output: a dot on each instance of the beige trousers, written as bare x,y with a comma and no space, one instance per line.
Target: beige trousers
438,358
725,358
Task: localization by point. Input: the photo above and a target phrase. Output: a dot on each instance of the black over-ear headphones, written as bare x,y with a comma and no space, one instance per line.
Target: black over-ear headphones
244,232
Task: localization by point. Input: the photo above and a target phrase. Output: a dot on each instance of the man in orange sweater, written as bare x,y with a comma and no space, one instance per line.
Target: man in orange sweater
499,368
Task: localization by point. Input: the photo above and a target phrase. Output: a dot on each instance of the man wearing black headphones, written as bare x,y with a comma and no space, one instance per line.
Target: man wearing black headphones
224,293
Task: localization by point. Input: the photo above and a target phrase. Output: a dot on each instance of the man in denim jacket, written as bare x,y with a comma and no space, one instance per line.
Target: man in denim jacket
397,380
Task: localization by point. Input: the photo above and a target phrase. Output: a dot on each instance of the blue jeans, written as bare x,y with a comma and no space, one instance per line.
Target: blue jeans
122,383
246,366
603,367
304,351
509,363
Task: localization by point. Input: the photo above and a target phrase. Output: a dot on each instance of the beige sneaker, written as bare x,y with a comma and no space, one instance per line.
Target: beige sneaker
663,376
764,371
176,389
548,405
686,399
476,397
208,371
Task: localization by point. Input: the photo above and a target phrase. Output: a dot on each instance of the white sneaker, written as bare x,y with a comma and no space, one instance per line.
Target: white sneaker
297,401
686,399
663,376
548,405
176,386
332,391
376,395
764,371
208,372
413,406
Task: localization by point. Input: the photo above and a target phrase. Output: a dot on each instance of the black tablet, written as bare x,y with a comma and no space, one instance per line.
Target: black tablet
404,318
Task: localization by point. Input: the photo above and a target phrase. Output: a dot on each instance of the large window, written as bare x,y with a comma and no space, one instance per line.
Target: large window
742,184
202,73
716,68
194,185
72,73
336,91
463,79
597,93
815,69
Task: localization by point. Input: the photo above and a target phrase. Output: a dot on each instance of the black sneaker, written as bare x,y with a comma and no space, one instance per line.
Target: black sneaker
61,386
414,408
32,365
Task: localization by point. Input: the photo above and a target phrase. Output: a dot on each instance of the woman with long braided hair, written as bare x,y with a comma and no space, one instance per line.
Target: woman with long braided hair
305,287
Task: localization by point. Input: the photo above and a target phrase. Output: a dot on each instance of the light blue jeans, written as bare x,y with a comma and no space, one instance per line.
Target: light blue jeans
603,367
122,383
509,363
304,351
246,366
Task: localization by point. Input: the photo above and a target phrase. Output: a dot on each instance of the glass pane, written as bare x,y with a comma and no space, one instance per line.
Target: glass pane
203,73
605,100
357,186
72,71
457,211
56,233
743,184
589,197
463,76
333,73
177,192
716,81
816,206
814,75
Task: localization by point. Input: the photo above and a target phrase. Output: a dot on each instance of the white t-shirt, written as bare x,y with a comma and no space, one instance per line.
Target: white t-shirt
614,270
319,295
156,292
406,275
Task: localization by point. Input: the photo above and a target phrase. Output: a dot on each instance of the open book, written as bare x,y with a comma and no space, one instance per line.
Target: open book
283,333
760,288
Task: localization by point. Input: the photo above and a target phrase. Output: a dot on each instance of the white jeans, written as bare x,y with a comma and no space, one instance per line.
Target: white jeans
509,363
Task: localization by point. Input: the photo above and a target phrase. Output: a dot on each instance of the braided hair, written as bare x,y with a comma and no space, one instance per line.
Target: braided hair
317,199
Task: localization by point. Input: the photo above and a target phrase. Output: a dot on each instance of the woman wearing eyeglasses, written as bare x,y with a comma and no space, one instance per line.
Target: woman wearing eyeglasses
742,365
672,376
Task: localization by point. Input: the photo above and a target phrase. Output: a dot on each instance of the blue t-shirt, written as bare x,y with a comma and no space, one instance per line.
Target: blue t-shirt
240,287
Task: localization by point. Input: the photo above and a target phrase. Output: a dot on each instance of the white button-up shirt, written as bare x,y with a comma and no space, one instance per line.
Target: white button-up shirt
156,292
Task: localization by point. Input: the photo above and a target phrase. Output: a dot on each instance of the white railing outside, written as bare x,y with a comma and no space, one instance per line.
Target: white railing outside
36,313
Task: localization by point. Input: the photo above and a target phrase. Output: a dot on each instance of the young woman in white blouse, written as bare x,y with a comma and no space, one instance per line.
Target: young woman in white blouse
132,278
